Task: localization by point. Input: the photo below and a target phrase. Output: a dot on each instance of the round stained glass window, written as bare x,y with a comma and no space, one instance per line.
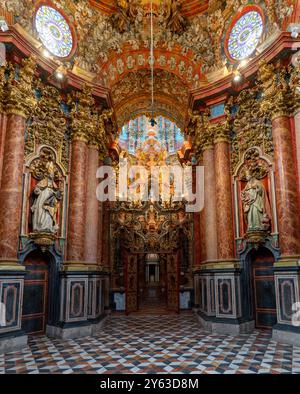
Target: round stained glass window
245,35
54,31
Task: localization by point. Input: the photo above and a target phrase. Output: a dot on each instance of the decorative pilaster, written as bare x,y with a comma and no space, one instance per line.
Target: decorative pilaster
20,103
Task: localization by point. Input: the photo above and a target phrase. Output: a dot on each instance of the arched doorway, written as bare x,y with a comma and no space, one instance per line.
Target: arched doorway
263,288
36,292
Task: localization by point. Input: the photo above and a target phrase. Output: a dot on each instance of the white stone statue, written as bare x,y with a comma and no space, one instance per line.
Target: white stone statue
254,205
44,208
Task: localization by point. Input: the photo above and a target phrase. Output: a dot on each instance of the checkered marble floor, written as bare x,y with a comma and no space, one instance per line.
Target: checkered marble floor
154,344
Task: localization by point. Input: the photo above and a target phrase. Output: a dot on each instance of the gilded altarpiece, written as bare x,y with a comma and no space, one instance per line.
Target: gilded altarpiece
45,181
253,173
145,229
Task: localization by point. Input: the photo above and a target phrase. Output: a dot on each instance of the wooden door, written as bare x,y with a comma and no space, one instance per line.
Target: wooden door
131,278
35,301
173,283
264,292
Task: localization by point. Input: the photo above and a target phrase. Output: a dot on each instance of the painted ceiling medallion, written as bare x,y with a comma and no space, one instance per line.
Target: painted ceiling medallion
54,31
245,35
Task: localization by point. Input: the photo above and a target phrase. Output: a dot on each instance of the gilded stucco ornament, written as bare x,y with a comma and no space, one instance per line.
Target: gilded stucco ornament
295,83
20,96
48,124
277,97
251,127
82,103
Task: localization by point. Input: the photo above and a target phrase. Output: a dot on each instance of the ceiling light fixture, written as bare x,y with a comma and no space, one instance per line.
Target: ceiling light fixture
46,53
237,76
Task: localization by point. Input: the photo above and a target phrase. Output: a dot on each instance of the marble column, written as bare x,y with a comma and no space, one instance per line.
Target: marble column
11,188
3,122
225,234
92,207
287,198
297,137
100,234
211,239
77,202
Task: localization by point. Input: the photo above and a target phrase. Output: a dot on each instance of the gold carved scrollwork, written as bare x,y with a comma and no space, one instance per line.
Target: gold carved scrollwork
295,83
277,97
202,130
20,96
48,124
82,119
251,127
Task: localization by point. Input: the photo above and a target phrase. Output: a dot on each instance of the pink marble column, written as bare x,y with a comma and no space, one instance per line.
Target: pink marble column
224,209
287,197
11,187
297,137
92,208
211,239
3,121
77,202
100,235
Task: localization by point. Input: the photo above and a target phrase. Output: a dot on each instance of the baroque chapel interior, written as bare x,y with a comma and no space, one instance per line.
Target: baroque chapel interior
208,87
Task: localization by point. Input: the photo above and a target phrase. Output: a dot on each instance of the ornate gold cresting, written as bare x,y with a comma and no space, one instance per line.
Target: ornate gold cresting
277,97
20,96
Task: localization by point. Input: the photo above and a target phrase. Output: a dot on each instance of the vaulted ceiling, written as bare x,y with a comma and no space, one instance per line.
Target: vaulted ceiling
112,46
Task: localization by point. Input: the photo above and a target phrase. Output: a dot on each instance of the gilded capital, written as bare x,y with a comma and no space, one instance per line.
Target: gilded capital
221,132
81,114
20,96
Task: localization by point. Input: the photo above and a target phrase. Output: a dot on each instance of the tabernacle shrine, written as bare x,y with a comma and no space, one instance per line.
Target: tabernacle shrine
149,186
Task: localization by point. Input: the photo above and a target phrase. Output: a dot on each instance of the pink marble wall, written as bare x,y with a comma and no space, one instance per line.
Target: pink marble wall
224,202
287,198
211,239
3,122
92,208
11,187
77,202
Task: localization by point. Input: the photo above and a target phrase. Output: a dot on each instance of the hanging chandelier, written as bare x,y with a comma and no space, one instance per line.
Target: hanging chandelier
152,120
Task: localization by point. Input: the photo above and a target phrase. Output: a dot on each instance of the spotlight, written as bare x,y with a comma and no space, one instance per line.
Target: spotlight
46,53
244,62
59,75
237,77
